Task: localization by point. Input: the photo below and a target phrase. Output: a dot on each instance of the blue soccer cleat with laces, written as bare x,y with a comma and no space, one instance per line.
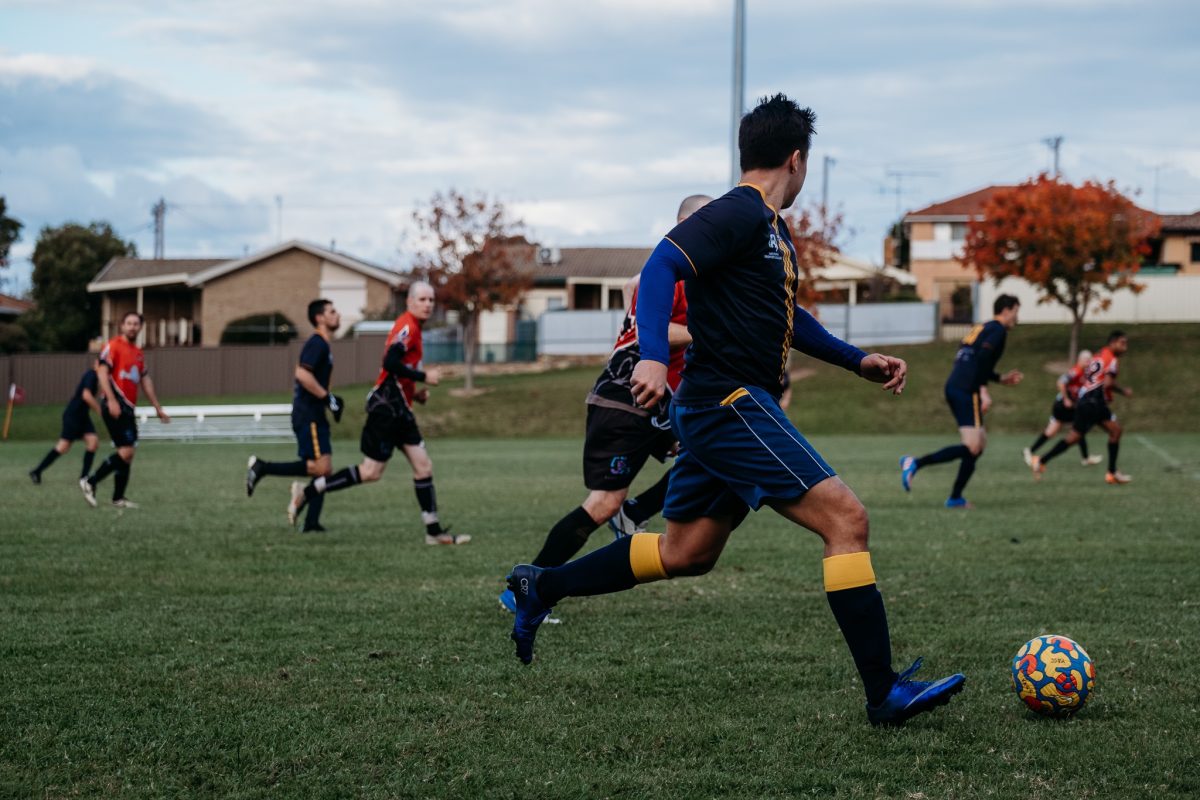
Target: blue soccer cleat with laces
508,601
530,612
908,468
909,698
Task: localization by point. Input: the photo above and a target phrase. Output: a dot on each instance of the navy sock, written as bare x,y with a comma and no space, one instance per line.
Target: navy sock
108,466
1113,447
293,469
601,571
50,458
966,468
1041,440
1059,448
649,502
1083,448
427,499
861,616
950,453
312,514
89,456
121,481
566,538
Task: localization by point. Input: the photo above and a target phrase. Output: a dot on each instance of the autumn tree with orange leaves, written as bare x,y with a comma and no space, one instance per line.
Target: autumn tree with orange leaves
1076,244
814,233
467,251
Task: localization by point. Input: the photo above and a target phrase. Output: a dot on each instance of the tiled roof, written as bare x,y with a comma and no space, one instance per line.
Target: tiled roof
1180,223
963,206
122,269
14,305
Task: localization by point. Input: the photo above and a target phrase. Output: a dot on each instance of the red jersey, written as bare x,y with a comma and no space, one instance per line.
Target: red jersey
1073,382
628,334
1101,366
126,365
406,330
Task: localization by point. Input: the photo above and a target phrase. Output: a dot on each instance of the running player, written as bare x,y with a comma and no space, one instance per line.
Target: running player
738,449
121,370
76,424
1099,384
620,437
967,395
310,397
390,421
1063,411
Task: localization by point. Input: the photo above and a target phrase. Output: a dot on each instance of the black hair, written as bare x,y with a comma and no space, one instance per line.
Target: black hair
129,314
316,308
1117,334
1004,302
776,128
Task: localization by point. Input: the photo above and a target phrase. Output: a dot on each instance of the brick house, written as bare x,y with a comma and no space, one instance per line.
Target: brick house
188,301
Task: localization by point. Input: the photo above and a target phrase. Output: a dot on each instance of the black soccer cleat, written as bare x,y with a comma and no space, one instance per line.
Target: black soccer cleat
36,477
253,475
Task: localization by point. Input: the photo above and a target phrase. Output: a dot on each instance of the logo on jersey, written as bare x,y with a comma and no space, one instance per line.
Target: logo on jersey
773,247
619,465
133,374
401,335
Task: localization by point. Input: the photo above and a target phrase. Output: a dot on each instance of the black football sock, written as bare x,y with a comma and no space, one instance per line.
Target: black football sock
312,514
293,469
1113,447
1083,448
427,499
120,480
966,468
649,502
616,567
949,453
107,467
50,458
1041,440
89,456
858,608
566,538
1059,448
342,479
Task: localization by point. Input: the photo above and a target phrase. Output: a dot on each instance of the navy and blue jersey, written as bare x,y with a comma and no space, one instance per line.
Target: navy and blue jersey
317,358
977,356
90,381
739,266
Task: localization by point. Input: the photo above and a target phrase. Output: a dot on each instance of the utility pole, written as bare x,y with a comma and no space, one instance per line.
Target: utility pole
159,210
739,86
1054,143
279,218
899,175
826,164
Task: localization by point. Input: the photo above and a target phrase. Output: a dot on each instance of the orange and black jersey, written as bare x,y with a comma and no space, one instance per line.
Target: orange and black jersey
977,356
127,366
739,266
1102,365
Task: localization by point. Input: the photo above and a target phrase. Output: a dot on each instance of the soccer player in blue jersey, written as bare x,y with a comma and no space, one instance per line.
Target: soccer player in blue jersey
76,424
967,395
738,449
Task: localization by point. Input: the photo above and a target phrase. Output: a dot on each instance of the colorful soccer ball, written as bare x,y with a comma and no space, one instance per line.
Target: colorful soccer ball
1053,675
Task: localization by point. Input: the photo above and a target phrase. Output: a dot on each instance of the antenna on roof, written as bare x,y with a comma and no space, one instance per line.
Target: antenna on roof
159,210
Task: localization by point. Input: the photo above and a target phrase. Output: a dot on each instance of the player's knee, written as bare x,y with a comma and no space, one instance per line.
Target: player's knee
370,472
856,524
602,506
693,564
975,448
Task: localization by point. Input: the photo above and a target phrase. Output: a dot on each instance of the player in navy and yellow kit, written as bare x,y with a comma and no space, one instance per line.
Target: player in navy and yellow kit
738,449
390,421
310,397
967,395
1063,411
121,370
76,424
1099,385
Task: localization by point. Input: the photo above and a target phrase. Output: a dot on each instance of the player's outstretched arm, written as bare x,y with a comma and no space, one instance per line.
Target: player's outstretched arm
152,396
811,338
892,372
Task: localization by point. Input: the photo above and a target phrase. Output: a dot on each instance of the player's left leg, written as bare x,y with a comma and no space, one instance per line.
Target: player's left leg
422,472
975,440
121,473
1049,432
91,443
61,448
1113,429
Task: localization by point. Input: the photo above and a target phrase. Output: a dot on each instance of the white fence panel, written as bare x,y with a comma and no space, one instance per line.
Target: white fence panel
869,324
1166,298
578,333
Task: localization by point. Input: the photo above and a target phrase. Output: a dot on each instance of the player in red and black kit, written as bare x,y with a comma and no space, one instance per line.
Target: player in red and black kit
1100,382
1063,411
620,437
390,421
122,369
76,424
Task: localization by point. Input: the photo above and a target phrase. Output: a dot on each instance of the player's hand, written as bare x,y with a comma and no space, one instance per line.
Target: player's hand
1125,390
163,417
985,400
336,406
421,396
114,408
648,383
1012,377
892,372
433,376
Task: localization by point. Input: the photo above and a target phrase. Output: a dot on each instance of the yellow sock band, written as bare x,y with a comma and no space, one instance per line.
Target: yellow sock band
848,571
644,558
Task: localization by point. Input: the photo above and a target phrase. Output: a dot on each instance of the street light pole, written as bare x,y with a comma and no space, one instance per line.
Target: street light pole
739,82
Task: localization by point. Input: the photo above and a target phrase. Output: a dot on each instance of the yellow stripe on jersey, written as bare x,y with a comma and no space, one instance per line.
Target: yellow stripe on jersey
761,193
733,396
978,416
789,291
973,335
644,558
316,440
685,255
848,571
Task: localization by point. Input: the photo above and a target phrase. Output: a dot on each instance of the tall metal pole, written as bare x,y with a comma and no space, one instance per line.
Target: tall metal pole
739,85
1054,143
826,164
159,210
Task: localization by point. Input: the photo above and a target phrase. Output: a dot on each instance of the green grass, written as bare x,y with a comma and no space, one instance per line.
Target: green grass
551,403
198,648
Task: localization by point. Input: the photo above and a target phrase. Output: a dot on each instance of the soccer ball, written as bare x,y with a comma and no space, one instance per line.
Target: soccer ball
1053,675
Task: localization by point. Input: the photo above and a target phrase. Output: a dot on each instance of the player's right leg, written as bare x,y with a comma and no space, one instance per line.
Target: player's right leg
965,408
1052,428
61,448
1113,429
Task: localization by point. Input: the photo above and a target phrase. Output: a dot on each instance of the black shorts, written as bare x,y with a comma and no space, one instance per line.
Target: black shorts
965,407
312,436
617,445
1091,411
123,429
1061,412
76,425
385,431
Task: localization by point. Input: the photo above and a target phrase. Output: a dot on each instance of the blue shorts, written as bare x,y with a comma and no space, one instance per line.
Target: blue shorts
965,407
737,454
312,437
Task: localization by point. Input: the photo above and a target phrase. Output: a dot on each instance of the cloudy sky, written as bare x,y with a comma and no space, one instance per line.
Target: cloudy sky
588,120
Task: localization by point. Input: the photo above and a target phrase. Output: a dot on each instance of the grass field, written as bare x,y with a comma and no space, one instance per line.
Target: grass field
197,647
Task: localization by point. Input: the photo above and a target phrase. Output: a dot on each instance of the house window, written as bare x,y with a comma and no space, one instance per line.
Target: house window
958,231
616,300
587,296
1196,252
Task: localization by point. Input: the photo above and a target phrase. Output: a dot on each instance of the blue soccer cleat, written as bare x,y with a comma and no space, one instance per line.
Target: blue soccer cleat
909,698
530,611
908,468
958,502
508,601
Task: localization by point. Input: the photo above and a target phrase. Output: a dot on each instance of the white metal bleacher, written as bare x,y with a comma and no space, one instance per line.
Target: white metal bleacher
270,421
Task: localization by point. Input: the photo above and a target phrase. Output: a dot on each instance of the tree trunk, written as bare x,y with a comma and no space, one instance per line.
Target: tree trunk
469,325
1076,327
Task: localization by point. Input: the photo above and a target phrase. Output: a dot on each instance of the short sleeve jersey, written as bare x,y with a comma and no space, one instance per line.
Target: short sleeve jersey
317,358
977,356
89,381
613,383
1101,366
741,298
406,330
127,367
